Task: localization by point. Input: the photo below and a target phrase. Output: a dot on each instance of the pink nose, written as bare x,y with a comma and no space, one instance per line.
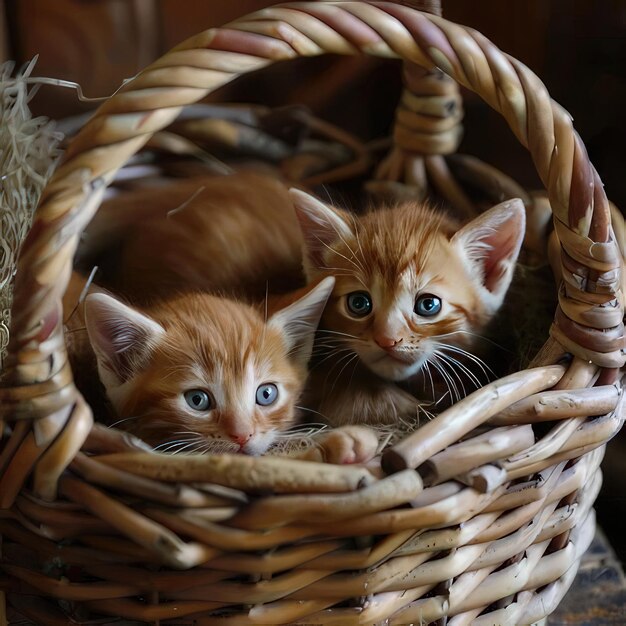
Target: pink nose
240,439
236,427
386,342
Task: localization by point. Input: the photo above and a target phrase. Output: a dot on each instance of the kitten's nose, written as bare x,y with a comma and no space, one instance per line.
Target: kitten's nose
386,342
237,428
240,439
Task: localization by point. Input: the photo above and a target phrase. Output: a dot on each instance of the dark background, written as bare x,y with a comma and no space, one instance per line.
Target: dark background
578,47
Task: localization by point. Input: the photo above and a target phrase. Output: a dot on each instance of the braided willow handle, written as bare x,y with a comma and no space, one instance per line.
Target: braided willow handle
589,320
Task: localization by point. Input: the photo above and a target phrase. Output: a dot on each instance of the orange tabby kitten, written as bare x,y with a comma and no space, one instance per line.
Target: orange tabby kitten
197,368
412,290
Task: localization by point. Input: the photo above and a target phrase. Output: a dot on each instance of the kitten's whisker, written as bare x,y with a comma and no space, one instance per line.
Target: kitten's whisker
483,366
195,442
202,449
452,362
473,378
335,365
304,408
356,261
336,332
322,357
478,336
348,362
325,349
305,433
296,427
451,370
355,228
446,378
126,419
353,372
343,256
471,375
172,443
336,269
329,356
170,447
329,342
426,366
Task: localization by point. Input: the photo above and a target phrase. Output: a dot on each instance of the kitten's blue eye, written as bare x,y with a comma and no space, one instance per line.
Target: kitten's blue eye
427,305
198,399
266,394
359,303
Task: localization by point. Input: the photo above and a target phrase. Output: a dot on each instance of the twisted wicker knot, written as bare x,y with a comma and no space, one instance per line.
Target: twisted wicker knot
53,422
429,113
589,318
36,400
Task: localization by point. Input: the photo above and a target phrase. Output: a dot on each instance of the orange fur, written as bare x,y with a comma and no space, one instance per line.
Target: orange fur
150,360
234,235
397,256
238,235
189,357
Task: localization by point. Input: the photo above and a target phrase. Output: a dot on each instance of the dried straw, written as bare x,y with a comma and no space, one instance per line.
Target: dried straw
28,153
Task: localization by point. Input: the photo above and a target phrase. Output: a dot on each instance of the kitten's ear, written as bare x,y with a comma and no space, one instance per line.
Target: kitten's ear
321,225
298,322
122,338
491,244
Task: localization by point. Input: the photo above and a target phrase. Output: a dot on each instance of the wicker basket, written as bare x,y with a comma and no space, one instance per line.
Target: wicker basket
488,531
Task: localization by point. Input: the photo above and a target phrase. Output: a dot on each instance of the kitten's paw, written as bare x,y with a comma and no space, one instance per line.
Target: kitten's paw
348,445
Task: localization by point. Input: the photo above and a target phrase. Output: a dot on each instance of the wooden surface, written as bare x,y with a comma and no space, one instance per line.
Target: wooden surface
598,595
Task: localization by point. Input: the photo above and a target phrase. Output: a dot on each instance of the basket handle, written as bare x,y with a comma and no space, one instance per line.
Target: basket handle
589,319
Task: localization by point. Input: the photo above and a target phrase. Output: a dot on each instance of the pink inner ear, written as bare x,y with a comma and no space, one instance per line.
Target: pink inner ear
502,242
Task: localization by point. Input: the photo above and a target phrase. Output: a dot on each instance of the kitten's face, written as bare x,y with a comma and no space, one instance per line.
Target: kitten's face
399,321
408,287
202,369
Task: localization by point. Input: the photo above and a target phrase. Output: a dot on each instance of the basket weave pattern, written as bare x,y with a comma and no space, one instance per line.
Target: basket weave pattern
499,520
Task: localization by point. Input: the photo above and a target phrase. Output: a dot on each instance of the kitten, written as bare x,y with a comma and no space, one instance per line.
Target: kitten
234,235
412,291
187,371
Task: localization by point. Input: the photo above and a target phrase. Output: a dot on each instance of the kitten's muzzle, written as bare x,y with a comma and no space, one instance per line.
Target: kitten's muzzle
406,358
393,349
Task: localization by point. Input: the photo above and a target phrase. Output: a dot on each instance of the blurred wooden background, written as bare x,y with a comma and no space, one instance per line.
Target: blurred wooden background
578,47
